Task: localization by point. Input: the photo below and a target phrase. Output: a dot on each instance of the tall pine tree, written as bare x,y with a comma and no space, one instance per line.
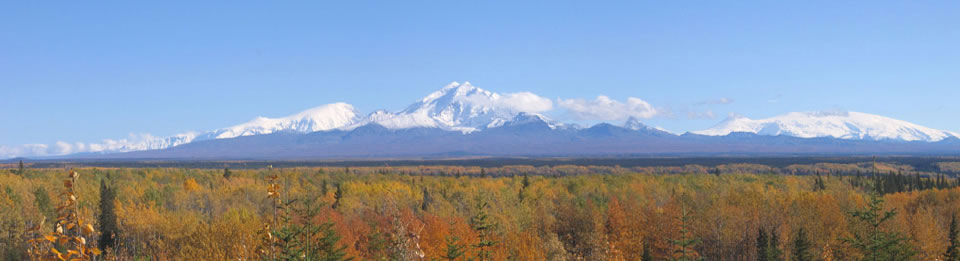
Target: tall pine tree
801,247
302,237
108,217
337,195
953,250
762,245
454,249
874,243
480,223
774,253
684,244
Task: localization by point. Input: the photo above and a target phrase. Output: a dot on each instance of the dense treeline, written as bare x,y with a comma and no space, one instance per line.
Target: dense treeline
921,163
729,212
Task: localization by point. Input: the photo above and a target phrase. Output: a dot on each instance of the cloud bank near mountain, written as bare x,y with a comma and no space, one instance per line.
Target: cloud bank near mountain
519,102
605,109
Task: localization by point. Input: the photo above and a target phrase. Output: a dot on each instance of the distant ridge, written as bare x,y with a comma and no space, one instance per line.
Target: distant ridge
842,125
463,120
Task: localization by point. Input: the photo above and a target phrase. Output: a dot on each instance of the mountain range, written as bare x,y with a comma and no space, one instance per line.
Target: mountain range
462,120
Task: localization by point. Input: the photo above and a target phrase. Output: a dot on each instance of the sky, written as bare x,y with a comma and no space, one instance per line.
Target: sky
83,72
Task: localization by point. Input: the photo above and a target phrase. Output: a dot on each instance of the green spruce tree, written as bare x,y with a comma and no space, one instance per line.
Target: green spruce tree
484,227
774,253
953,249
454,249
337,195
301,237
762,245
685,243
874,243
801,247
108,217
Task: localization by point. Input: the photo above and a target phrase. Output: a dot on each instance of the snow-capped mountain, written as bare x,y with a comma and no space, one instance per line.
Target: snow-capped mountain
528,118
321,118
842,125
635,124
463,118
456,107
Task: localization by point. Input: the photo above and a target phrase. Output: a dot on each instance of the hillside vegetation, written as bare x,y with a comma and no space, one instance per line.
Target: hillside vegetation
727,212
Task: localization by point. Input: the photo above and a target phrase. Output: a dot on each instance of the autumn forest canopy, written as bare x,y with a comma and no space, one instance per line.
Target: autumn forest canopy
588,209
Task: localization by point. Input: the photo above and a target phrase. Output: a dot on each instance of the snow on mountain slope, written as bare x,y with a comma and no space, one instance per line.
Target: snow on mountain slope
635,124
528,118
326,117
458,107
843,125
392,120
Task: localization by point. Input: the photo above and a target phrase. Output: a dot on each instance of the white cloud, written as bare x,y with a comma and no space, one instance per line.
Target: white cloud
604,108
22,150
134,142
61,148
520,101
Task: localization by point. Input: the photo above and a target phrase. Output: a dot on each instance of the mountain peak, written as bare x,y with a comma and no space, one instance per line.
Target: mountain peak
634,123
450,91
325,117
524,118
836,124
456,106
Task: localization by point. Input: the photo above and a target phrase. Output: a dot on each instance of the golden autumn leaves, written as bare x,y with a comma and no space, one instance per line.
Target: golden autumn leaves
273,193
71,233
273,189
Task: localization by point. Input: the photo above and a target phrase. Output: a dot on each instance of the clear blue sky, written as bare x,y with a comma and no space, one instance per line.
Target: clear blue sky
81,71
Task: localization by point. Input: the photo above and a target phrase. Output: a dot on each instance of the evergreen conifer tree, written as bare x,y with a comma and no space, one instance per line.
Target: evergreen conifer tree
300,237
108,216
774,253
684,245
762,245
480,223
337,195
801,247
953,249
876,244
454,249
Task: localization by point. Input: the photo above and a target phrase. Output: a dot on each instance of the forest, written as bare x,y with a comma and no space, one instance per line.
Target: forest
813,211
